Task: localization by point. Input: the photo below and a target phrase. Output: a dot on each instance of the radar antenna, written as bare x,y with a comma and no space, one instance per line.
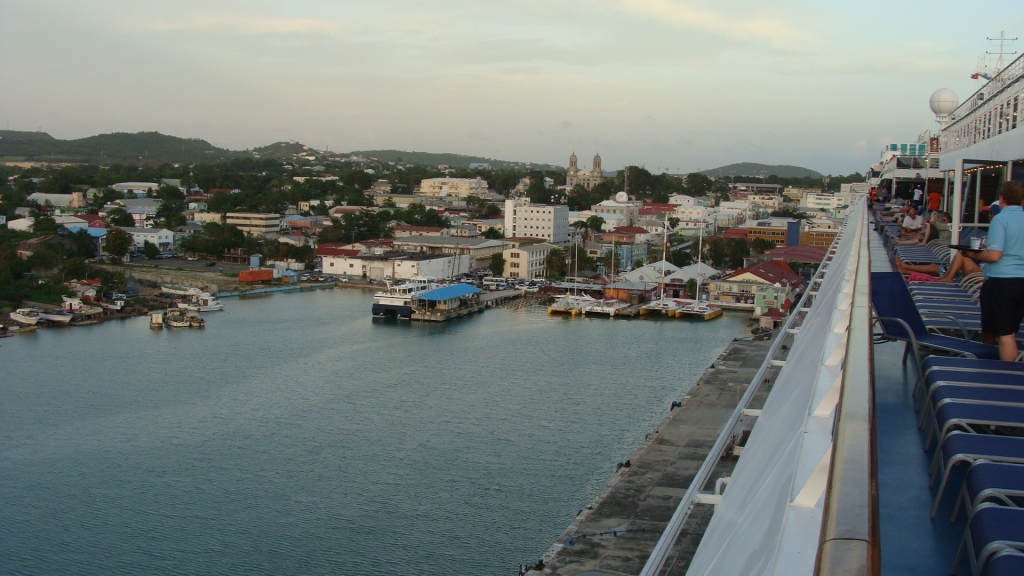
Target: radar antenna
984,70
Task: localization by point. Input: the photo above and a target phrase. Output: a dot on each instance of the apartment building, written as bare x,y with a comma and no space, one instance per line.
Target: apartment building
527,260
461,187
254,224
526,220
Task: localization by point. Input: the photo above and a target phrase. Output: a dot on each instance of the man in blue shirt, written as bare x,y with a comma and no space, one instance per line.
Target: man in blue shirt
1002,294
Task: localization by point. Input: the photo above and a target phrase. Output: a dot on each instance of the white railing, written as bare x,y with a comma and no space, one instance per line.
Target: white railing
955,135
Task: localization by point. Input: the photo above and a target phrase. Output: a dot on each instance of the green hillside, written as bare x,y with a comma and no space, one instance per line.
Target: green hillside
116,147
754,169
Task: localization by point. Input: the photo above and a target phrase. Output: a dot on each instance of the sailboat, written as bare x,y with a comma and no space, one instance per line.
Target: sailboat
667,307
574,303
699,310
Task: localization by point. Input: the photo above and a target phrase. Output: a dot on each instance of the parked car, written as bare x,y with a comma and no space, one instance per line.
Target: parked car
192,258
304,277
210,264
131,294
318,269
330,278
342,279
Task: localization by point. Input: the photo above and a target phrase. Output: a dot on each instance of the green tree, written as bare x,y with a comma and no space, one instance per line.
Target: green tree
120,217
717,252
789,211
150,250
737,249
698,184
556,263
595,223
82,243
497,264
761,245
691,288
43,224
119,242
492,233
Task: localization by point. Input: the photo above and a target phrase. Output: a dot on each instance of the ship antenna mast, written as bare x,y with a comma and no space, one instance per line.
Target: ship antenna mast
1002,50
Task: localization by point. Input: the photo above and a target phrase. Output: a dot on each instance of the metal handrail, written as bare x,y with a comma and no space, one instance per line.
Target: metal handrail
850,542
659,555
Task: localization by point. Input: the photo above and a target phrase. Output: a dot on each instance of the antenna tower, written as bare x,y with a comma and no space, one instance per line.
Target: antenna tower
986,71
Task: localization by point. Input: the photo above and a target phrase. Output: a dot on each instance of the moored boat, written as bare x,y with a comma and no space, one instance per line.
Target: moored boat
56,316
156,320
607,307
26,316
397,300
176,318
572,304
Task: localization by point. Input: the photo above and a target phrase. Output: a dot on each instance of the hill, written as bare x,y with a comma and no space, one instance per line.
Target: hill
453,160
755,169
115,147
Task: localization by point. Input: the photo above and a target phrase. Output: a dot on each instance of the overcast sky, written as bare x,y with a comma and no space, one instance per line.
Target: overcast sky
669,84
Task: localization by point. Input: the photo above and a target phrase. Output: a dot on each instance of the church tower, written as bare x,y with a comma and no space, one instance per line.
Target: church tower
572,163
597,166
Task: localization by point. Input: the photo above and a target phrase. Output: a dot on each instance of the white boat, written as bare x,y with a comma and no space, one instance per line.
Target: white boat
177,290
156,320
26,316
608,307
56,316
661,305
195,320
201,302
700,311
114,305
572,304
396,300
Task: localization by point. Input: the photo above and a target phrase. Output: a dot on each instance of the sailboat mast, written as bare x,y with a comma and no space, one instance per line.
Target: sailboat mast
664,250
700,252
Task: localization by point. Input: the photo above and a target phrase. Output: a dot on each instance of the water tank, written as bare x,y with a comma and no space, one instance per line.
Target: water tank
622,197
943,102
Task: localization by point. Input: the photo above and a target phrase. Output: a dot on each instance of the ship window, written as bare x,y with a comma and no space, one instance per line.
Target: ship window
1016,100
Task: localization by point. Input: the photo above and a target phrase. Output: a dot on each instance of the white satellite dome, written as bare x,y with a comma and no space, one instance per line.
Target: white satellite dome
943,102
622,197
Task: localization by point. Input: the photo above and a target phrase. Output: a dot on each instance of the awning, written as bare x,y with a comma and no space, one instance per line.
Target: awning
448,292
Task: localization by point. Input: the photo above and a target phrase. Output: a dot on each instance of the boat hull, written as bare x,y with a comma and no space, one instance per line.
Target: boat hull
56,318
392,310
22,319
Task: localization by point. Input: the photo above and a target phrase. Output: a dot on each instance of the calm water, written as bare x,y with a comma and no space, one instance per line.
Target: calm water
296,435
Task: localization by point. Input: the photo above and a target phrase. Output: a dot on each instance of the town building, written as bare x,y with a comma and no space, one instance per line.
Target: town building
161,237
779,231
575,176
253,223
482,225
461,187
739,290
136,188
479,250
59,203
525,219
819,233
396,265
407,230
619,207
527,260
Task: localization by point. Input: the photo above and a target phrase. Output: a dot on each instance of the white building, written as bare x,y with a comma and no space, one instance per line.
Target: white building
694,212
526,220
621,207
253,223
527,260
686,201
461,187
397,266
823,201
162,237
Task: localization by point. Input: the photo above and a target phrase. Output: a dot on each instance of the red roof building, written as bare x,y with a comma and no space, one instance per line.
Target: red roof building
771,272
801,254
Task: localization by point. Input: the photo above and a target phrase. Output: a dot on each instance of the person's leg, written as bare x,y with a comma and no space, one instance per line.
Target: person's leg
905,269
1008,348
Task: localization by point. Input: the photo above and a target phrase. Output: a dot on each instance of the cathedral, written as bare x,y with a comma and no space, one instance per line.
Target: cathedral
586,178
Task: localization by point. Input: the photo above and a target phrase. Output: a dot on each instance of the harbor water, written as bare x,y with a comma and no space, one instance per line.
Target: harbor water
297,435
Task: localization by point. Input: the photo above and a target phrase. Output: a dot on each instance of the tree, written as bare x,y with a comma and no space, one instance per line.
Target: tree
679,258
557,264
118,242
736,250
673,223
43,224
691,288
595,223
150,250
82,243
492,233
789,211
170,212
497,264
717,252
698,184
761,245
120,217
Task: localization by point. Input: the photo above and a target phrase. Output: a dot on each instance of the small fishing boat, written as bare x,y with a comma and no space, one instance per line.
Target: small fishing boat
156,320
195,320
26,316
115,305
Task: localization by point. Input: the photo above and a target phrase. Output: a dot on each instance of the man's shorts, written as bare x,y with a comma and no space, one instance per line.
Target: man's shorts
1002,305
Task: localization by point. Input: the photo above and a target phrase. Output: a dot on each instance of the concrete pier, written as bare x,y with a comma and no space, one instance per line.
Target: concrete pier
617,532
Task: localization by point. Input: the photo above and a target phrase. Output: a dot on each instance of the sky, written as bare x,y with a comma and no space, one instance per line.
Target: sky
672,85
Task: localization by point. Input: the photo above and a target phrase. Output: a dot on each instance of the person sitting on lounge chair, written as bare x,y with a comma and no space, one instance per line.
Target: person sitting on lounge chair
939,272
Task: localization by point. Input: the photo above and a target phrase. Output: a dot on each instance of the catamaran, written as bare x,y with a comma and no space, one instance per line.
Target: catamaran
575,303
666,307
699,310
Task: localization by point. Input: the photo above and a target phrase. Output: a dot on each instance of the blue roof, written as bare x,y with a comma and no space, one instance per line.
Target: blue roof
94,232
448,292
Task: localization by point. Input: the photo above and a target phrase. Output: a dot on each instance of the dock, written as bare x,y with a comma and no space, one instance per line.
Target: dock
617,531
485,300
